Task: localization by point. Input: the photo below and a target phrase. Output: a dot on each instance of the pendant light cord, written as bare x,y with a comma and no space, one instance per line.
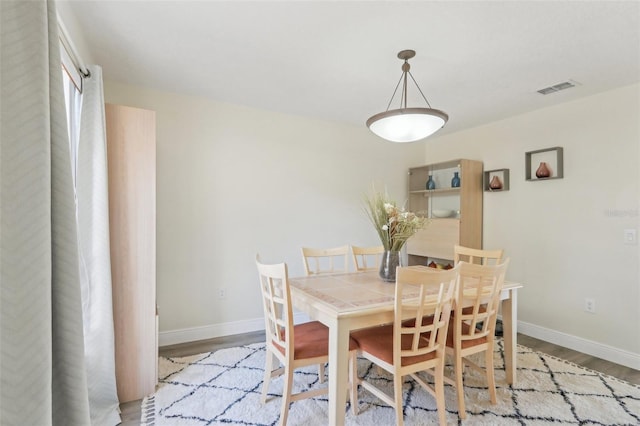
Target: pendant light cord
394,93
404,90
419,89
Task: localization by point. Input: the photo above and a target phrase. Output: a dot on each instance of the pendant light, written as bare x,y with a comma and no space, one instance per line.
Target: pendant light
407,124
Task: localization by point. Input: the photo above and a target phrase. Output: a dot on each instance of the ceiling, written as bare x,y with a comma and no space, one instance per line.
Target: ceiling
479,61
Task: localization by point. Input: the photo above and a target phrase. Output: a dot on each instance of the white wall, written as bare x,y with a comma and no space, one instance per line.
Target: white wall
68,18
565,236
234,181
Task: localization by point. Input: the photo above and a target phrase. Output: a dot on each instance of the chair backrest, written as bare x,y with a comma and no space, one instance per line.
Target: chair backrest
478,298
276,302
367,258
325,261
424,299
479,256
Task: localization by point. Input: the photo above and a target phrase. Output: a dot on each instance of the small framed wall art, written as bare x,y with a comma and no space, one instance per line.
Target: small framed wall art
544,164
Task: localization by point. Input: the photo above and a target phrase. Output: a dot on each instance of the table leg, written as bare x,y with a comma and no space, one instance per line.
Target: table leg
510,330
338,370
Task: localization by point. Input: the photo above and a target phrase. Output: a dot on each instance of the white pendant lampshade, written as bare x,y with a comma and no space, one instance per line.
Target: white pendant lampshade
407,124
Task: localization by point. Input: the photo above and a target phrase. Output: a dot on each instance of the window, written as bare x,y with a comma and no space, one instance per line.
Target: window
72,83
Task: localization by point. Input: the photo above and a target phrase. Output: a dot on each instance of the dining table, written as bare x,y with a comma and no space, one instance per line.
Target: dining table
345,302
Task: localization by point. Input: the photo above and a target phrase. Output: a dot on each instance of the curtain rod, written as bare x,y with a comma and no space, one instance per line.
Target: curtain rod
71,49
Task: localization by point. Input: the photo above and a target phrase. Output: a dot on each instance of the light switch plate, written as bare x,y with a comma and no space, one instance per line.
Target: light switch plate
630,237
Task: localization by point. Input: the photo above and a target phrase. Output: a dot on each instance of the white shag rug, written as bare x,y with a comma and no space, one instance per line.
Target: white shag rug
223,388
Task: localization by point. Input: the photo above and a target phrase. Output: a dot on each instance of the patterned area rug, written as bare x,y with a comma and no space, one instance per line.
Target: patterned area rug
224,387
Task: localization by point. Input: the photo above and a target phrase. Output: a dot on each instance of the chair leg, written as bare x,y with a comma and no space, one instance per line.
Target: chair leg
397,393
438,385
268,368
353,382
321,372
491,380
460,386
286,395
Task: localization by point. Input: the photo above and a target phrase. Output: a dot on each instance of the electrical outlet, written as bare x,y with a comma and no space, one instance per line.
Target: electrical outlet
630,237
222,293
590,305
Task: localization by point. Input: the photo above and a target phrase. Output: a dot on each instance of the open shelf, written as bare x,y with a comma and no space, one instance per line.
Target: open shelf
552,156
429,192
502,174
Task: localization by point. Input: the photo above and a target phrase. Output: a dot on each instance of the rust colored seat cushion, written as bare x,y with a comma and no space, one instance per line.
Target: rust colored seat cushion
465,331
426,320
311,339
469,310
378,341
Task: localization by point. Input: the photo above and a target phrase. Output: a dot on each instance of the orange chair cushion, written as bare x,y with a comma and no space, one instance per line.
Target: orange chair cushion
465,331
426,320
469,310
378,341
311,339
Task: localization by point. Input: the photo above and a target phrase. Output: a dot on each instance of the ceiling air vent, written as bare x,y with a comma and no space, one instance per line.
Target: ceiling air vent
557,87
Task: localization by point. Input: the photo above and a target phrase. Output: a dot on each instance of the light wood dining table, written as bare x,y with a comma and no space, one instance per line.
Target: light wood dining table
351,301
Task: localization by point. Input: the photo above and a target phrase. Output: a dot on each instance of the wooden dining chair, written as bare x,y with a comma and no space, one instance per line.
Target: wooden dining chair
477,256
319,261
480,256
416,339
325,261
472,324
294,346
367,258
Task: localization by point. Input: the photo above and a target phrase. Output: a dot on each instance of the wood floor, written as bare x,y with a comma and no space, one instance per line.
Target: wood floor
131,410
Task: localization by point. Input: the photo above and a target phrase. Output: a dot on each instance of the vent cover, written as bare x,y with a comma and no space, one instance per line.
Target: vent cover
557,87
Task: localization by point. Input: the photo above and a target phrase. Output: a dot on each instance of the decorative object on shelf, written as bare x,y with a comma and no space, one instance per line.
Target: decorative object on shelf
394,227
431,183
442,213
435,265
543,171
495,183
407,124
550,164
455,181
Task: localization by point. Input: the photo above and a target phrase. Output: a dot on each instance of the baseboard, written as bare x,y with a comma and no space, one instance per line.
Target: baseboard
174,337
599,350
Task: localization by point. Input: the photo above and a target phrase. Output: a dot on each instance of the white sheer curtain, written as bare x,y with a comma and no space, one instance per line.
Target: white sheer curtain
42,364
95,264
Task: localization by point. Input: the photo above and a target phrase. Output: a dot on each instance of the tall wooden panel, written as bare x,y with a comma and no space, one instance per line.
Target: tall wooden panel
131,150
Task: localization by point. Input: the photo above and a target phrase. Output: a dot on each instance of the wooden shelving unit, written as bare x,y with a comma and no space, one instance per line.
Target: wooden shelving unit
463,227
